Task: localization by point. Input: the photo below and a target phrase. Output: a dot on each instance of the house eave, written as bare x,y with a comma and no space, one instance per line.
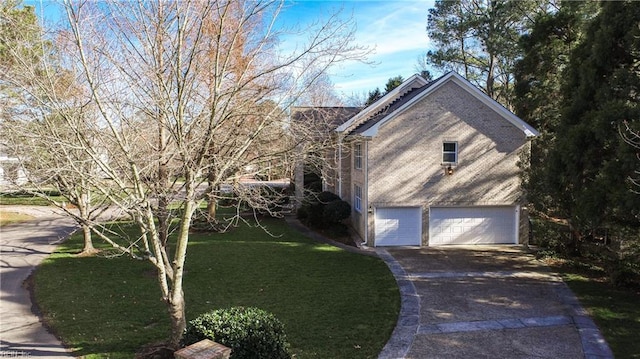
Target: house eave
528,130
367,111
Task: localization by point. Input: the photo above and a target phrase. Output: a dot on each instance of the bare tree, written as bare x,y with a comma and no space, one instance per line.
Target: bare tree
177,99
35,85
632,137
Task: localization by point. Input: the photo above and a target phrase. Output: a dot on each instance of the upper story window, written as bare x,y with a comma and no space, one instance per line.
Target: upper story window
449,152
357,156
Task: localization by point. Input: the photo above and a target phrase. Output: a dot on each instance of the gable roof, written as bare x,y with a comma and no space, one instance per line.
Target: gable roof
331,117
368,121
379,106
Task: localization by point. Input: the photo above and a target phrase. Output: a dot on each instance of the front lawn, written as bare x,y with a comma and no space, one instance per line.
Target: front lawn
29,199
334,304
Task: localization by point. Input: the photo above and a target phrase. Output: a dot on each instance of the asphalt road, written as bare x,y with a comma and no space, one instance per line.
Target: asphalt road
22,247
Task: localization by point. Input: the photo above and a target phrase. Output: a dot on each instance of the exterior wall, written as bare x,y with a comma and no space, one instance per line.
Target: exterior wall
337,172
330,178
358,178
405,156
345,168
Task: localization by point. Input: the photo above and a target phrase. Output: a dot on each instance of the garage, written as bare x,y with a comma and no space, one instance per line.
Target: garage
398,226
473,225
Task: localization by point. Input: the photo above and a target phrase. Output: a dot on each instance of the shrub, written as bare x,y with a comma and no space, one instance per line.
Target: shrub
551,236
326,197
313,208
315,217
336,211
249,332
303,213
326,211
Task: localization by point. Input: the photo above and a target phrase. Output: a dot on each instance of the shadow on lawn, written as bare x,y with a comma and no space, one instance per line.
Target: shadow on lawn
112,305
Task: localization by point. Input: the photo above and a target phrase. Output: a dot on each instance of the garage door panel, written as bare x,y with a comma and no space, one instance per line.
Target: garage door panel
472,225
398,226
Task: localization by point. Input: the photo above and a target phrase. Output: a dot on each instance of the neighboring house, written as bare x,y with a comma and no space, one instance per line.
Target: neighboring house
320,122
434,163
11,172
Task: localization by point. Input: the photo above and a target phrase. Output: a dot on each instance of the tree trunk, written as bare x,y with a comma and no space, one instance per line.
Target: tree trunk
176,309
84,203
163,205
211,209
491,77
212,203
176,296
88,241
576,239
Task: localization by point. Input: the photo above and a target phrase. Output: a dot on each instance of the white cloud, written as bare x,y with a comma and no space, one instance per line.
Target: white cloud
394,29
392,26
397,30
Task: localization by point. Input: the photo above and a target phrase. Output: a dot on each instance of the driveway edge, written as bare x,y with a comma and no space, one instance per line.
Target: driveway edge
409,318
594,345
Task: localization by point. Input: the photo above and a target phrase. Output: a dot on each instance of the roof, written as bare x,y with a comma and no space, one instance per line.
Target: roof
368,121
331,116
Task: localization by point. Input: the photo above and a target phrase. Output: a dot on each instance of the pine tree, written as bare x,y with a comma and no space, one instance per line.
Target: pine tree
478,39
538,93
589,168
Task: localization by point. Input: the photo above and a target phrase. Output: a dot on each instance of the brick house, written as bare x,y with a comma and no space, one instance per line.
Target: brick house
433,163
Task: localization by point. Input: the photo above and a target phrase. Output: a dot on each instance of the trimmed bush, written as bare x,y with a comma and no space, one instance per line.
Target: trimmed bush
326,197
251,333
336,211
326,211
303,213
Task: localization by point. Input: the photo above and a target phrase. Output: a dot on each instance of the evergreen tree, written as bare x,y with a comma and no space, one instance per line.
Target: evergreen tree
538,93
19,34
588,169
478,38
392,83
376,94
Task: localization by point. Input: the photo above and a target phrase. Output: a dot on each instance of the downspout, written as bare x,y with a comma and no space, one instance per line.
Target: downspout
366,194
517,225
340,166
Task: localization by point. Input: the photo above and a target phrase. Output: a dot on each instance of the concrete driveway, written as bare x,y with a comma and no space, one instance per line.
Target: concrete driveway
22,247
486,302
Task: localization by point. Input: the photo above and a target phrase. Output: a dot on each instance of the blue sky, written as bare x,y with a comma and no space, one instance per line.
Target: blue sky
395,29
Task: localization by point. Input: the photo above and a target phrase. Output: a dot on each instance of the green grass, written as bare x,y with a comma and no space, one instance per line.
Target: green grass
615,310
28,199
334,304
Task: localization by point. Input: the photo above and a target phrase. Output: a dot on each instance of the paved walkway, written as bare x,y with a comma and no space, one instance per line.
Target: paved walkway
22,247
485,302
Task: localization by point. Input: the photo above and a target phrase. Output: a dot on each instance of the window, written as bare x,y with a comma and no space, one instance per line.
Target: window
357,198
357,156
449,152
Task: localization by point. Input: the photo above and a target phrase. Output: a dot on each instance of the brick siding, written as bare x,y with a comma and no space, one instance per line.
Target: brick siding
405,158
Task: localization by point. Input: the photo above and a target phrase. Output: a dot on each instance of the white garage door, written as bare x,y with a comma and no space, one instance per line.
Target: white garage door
472,225
398,226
